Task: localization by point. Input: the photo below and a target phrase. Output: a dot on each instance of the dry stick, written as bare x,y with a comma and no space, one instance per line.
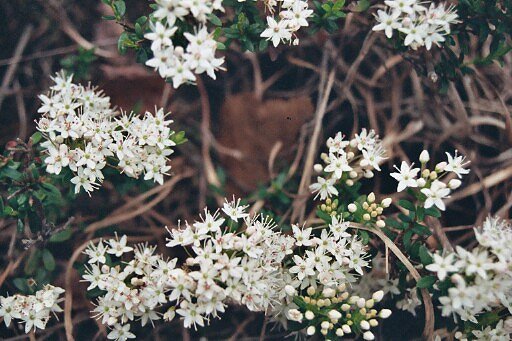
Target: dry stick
9,74
209,169
428,331
67,27
310,158
22,112
439,232
165,189
241,328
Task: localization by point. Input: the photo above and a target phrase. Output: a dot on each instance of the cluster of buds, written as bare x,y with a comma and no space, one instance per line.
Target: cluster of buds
369,211
334,313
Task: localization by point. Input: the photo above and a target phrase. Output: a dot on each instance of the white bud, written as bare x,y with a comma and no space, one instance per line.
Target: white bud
421,182
387,202
508,325
368,335
378,295
290,291
374,323
309,315
440,166
424,157
370,303
364,163
311,291
353,299
364,325
454,183
385,313
371,197
346,329
380,223
368,174
328,292
295,315
366,217
350,155
352,208
361,302
325,325
345,307
311,330
352,174
349,182
318,168
339,332
334,314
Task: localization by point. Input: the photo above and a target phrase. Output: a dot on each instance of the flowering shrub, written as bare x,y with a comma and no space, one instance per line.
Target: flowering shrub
32,310
477,285
83,133
420,25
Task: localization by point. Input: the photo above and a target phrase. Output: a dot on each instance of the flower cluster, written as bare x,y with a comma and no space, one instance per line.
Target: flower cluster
478,280
83,133
348,161
334,313
332,258
182,63
32,310
432,189
292,15
418,24
225,265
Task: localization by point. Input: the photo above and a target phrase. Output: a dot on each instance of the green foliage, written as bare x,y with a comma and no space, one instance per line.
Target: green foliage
79,64
327,14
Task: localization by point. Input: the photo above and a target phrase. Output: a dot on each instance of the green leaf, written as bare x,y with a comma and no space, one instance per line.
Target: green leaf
61,236
108,17
11,173
48,260
407,205
362,5
32,262
426,282
425,256
433,212
21,285
214,19
120,8
36,137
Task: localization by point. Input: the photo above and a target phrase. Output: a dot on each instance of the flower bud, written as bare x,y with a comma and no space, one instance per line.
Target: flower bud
364,325
345,307
368,174
385,313
290,291
369,304
386,202
352,208
328,292
371,197
361,302
311,291
424,157
339,332
346,329
454,183
318,168
366,217
374,323
368,336
440,166
334,314
309,315
380,223
295,315
325,325
378,295
508,325
311,330
349,183
421,182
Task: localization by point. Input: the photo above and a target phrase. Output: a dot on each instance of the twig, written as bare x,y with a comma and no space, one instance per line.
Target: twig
9,74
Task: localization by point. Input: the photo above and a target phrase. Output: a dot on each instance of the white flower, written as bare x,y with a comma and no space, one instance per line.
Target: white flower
435,195
406,176
324,187
337,165
234,210
456,164
442,265
118,247
276,31
302,236
121,333
387,22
